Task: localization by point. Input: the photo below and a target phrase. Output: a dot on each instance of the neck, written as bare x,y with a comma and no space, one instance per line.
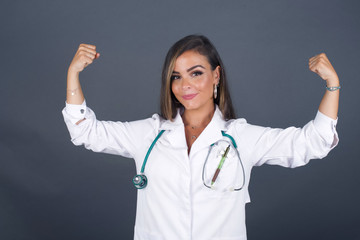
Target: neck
198,117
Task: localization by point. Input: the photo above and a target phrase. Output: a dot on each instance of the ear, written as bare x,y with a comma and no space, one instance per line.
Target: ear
216,73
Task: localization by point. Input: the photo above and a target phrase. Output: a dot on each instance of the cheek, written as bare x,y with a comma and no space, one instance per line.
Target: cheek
206,85
174,88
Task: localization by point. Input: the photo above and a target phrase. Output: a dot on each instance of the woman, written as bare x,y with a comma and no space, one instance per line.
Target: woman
199,167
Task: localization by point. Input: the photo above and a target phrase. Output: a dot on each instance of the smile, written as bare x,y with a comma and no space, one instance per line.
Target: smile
189,96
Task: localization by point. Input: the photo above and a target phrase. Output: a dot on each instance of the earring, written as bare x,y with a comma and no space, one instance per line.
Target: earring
215,91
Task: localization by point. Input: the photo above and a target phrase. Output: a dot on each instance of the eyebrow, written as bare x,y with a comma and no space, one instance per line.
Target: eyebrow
193,67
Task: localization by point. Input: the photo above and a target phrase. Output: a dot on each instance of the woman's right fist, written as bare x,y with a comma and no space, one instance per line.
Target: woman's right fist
84,56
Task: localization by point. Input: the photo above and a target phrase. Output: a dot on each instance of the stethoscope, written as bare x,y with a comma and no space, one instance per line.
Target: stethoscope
140,180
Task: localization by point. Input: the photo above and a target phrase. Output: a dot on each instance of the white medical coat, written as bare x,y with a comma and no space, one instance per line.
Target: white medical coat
176,204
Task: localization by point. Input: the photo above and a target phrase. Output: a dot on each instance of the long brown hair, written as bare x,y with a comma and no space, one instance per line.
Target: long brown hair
202,45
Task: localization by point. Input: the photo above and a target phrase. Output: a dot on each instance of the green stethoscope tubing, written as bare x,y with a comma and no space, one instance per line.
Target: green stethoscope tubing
150,149
144,179
140,180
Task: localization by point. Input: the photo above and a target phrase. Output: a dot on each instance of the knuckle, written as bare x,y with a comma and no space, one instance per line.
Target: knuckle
92,47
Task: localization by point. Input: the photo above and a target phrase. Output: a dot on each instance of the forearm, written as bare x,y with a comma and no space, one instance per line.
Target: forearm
329,104
84,56
74,94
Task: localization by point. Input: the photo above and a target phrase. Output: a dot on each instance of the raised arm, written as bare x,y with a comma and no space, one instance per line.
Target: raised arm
120,138
329,104
84,56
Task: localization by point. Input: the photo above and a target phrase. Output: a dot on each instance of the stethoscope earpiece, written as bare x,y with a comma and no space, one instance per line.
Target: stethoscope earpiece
140,181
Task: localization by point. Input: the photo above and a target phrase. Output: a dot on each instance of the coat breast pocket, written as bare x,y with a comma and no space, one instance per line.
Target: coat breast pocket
223,170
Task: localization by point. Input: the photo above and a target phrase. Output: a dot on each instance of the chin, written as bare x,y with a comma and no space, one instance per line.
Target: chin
196,104
190,106
193,106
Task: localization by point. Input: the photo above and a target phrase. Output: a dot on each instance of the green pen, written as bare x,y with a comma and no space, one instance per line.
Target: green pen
221,163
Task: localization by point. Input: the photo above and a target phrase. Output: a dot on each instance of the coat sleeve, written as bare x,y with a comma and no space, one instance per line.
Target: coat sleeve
292,147
120,138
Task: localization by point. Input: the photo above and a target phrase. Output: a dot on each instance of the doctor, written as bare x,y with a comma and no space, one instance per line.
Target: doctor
200,135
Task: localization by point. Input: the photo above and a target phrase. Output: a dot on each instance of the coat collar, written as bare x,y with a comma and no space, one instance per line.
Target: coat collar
176,132
217,119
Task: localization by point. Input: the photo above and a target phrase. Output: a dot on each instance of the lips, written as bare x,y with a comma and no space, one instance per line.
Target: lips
189,96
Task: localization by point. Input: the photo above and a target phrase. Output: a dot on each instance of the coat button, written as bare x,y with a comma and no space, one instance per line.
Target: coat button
82,111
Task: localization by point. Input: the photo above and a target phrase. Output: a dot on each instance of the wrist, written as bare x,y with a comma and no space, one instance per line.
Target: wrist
332,82
73,72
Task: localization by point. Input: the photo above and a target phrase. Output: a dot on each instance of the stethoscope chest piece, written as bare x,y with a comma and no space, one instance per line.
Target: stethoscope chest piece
140,181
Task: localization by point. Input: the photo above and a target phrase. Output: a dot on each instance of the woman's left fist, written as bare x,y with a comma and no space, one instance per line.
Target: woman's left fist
321,65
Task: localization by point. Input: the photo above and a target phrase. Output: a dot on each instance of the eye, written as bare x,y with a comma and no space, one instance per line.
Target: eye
196,73
174,77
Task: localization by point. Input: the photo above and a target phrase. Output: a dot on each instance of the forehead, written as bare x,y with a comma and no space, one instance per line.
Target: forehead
189,59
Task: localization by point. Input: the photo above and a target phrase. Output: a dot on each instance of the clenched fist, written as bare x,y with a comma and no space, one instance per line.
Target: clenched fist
84,56
321,65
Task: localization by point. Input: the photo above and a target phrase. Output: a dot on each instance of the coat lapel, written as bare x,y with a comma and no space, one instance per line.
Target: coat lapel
211,133
174,135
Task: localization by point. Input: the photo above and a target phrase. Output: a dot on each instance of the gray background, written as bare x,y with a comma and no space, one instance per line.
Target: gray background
50,189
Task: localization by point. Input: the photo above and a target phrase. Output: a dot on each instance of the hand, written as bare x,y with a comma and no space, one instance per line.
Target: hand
321,65
84,56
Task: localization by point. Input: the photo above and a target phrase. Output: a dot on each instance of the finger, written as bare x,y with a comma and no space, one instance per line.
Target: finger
314,59
88,50
311,64
87,54
85,60
88,46
323,55
97,55
321,62
318,63
318,56
314,69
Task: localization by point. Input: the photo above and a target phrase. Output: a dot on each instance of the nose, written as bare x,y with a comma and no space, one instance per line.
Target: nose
185,84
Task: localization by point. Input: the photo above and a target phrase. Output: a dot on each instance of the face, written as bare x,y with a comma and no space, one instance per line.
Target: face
193,81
